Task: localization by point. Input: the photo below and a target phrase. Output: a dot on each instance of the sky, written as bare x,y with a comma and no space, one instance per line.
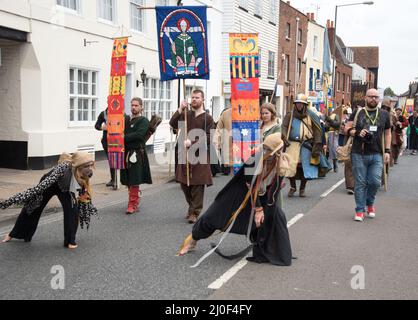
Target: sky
391,25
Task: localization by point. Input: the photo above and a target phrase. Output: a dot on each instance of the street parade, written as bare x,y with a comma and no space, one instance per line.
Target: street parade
221,150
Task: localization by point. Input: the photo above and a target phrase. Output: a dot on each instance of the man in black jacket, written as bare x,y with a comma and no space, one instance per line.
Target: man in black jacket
101,125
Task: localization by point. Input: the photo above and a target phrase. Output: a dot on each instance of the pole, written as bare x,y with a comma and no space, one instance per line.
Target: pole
334,66
185,135
296,58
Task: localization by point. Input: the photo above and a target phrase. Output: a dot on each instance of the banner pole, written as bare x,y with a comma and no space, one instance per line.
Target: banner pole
185,135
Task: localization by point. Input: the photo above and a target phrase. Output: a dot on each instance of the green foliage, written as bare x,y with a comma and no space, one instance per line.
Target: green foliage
389,92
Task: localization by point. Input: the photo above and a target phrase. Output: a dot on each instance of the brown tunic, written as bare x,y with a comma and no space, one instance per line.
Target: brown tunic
200,173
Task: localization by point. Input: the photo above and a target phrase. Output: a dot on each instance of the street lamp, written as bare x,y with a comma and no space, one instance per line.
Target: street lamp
335,40
143,78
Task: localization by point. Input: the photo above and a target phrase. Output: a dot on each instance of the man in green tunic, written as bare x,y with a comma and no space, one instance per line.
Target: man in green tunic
137,170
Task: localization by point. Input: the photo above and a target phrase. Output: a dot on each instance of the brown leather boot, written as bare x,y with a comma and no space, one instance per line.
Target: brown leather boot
193,218
291,193
302,194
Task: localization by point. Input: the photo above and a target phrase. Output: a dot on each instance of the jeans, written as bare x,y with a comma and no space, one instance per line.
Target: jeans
367,172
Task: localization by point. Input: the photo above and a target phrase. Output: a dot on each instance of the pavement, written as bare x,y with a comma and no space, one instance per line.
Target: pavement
15,181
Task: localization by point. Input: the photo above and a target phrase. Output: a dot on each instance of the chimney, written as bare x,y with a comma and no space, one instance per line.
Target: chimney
313,16
328,23
288,2
332,24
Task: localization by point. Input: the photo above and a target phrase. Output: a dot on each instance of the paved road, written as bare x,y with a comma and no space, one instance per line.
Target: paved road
133,257
341,259
127,257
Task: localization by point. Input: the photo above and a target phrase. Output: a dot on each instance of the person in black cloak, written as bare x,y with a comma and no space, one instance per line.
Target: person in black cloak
70,182
250,205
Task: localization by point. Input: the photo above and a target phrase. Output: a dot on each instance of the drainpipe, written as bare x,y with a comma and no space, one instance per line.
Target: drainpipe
296,57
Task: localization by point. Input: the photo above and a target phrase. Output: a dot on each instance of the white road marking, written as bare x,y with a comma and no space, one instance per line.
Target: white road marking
217,284
332,188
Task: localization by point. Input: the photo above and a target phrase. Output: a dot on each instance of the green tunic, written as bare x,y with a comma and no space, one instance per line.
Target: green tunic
136,173
185,50
274,129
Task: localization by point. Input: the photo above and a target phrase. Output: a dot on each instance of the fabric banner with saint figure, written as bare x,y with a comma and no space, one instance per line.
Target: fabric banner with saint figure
182,42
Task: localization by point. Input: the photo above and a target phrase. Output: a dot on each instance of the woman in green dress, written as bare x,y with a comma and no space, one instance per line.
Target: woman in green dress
269,124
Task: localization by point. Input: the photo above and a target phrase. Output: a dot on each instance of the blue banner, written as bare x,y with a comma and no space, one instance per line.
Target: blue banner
182,42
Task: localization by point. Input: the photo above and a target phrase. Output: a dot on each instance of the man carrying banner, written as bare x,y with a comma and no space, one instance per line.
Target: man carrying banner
196,144
137,170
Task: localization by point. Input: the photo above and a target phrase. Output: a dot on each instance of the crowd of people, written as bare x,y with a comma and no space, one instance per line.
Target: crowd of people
304,146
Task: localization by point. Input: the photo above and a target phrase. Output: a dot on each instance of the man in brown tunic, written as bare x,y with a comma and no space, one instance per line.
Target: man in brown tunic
199,124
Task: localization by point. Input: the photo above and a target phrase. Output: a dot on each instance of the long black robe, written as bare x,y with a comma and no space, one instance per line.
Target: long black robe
271,241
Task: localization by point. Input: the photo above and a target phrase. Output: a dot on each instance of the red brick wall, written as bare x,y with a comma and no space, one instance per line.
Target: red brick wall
288,14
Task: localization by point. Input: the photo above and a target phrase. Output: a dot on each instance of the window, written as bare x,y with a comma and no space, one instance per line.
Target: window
338,81
70,4
107,10
287,30
311,79
299,68
243,4
344,86
258,11
315,47
273,11
157,98
318,81
286,68
348,83
137,16
300,36
83,95
271,64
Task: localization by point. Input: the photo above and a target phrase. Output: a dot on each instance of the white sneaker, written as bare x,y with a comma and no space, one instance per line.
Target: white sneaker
371,212
359,217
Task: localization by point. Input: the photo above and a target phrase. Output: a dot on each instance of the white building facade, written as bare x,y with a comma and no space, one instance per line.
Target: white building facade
314,63
253,16
55,72
359,73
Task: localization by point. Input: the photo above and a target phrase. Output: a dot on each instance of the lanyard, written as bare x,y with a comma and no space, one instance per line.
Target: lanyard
375,118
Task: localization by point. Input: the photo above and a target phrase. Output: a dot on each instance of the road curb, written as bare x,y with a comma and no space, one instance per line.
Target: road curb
50,210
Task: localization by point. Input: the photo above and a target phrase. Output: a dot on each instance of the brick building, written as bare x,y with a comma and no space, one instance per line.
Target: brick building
343,70
293,36
368,58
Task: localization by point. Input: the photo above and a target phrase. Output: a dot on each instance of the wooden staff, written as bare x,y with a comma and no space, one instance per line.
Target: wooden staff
385,172
185,135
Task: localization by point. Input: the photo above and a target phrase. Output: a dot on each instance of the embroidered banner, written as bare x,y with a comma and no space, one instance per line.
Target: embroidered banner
116,105
245,71
182,42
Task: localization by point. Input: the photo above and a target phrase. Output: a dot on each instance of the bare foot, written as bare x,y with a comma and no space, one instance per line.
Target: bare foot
72,246
188,247
7,239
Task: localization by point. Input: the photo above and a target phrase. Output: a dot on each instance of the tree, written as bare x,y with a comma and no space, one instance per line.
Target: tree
389,92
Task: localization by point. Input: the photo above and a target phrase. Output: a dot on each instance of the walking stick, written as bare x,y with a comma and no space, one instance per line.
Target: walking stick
170,154
385,172
185,136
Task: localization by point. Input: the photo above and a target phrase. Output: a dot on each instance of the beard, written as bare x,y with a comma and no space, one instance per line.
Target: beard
196,106
372,105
